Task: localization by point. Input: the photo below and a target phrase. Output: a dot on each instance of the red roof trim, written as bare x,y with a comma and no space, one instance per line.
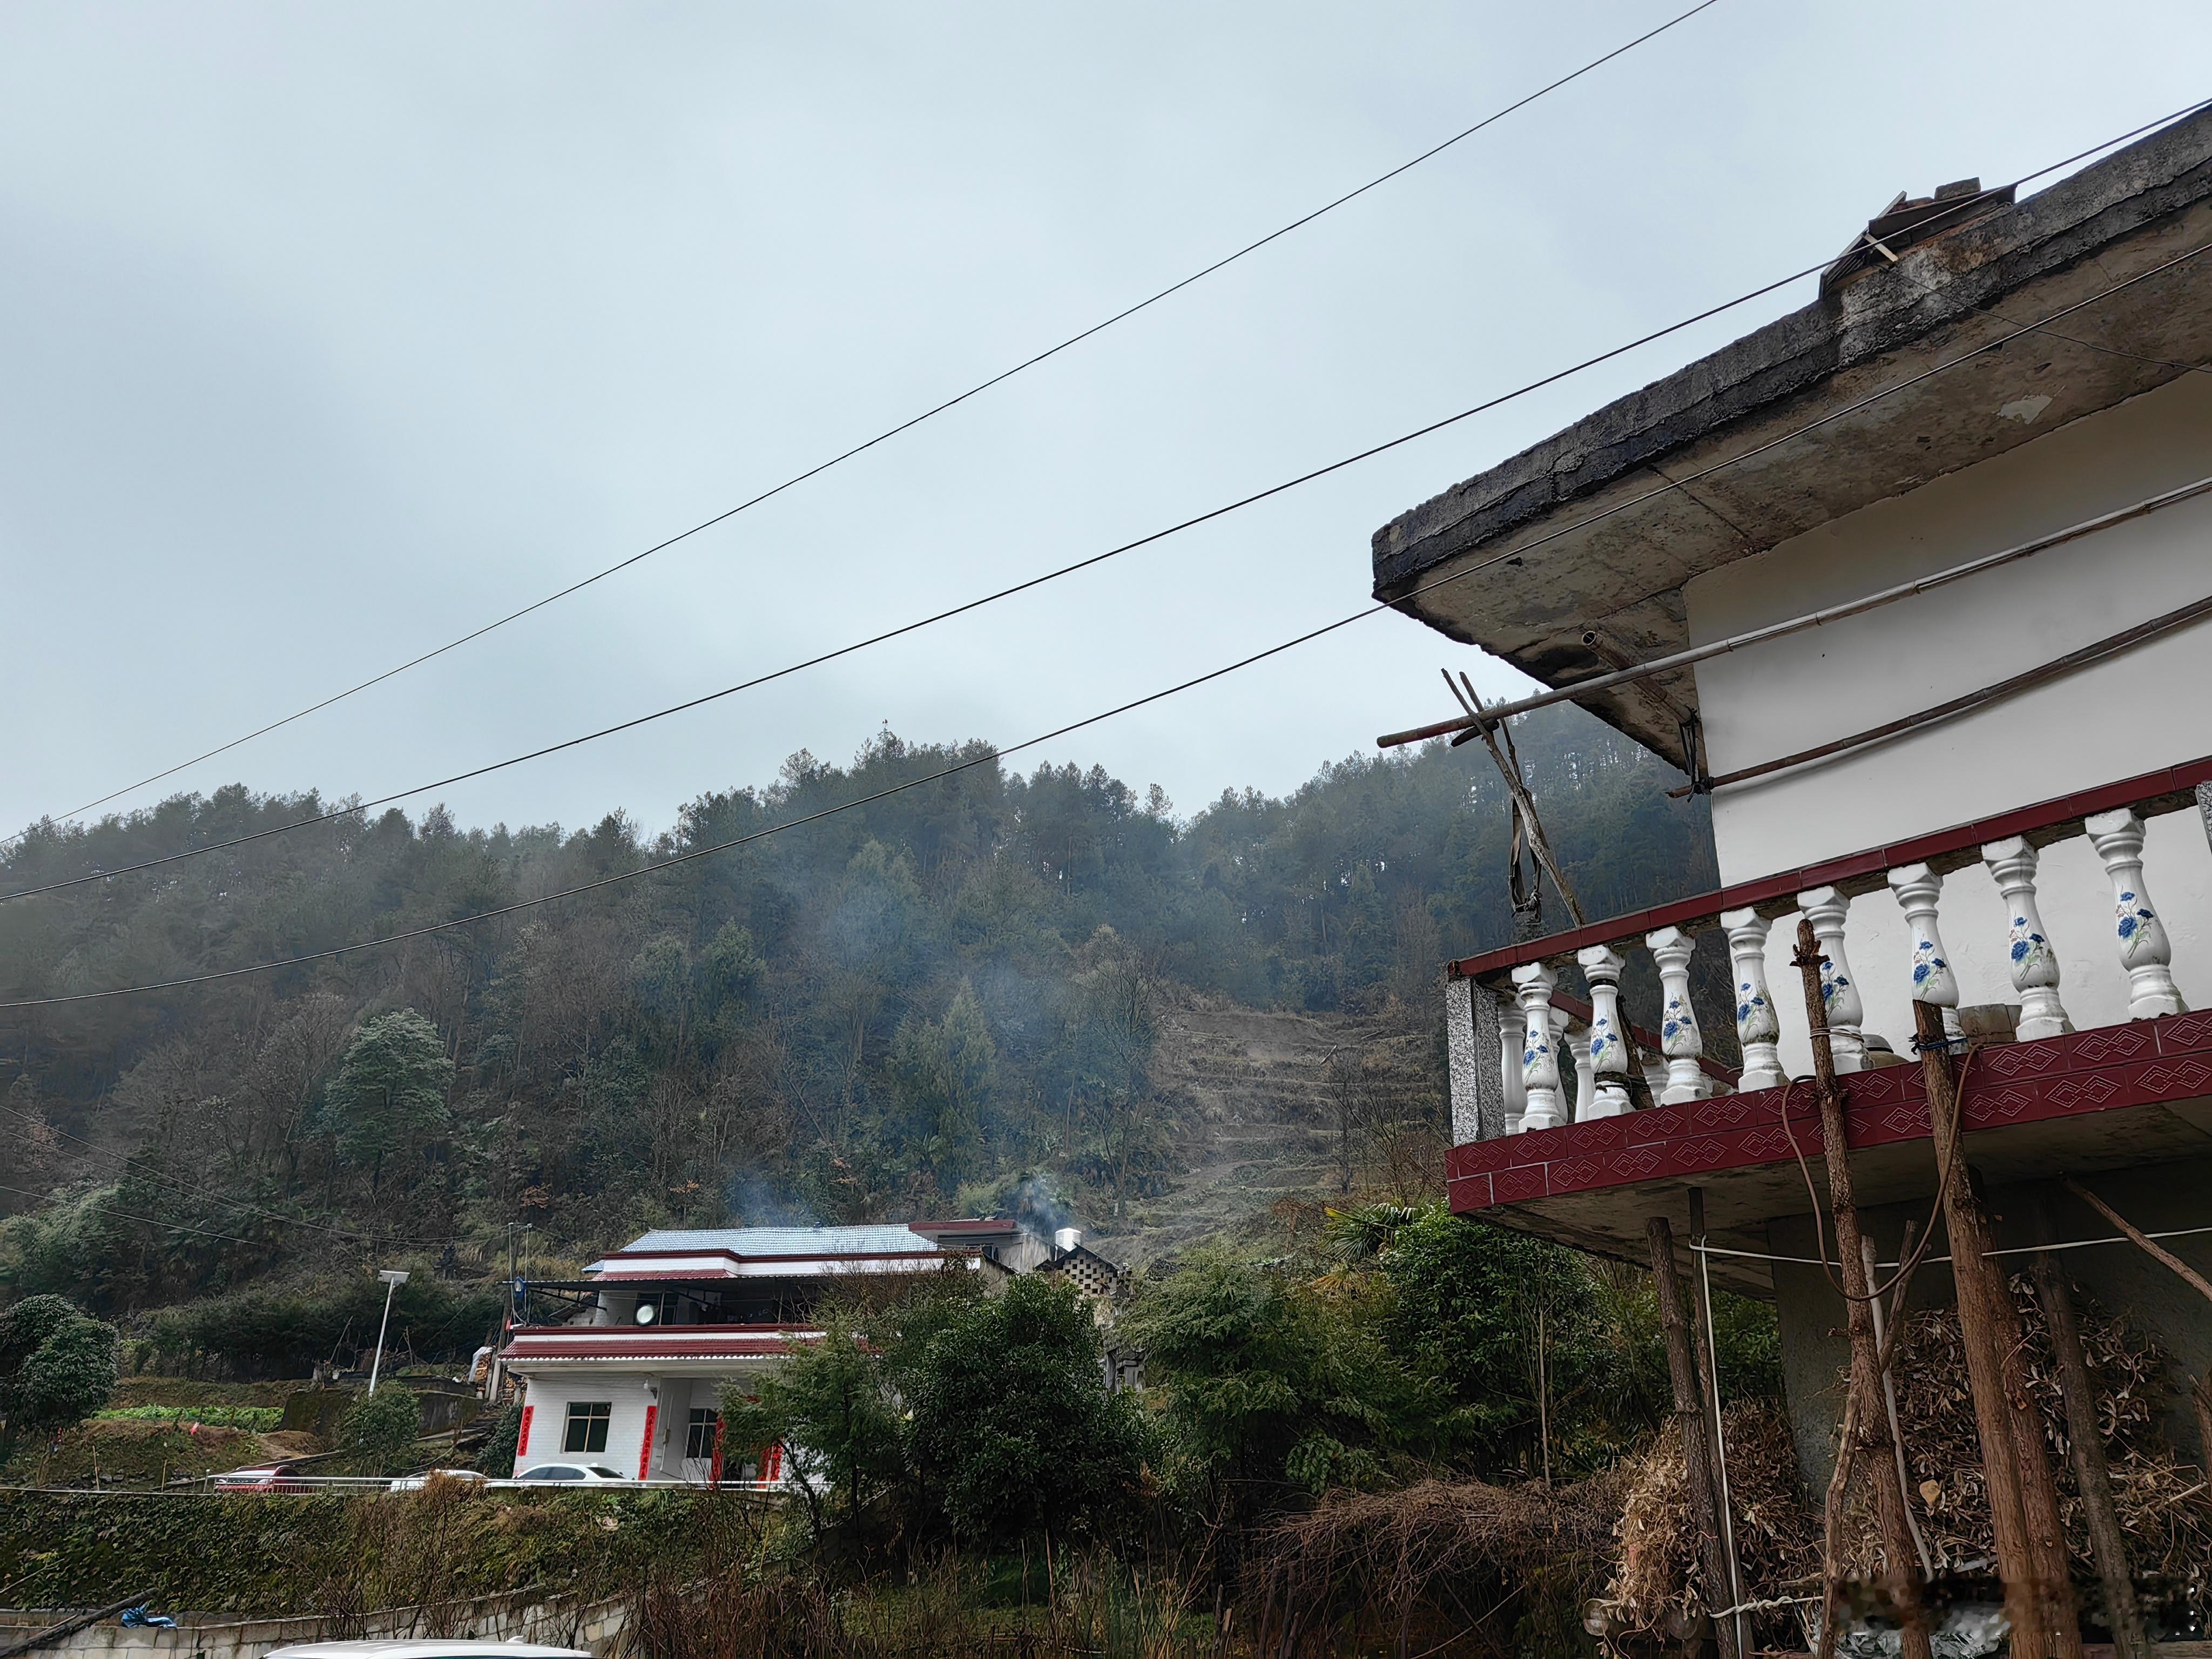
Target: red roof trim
2166,782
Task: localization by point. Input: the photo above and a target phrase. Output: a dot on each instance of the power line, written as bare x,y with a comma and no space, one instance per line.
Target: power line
185,1189
125,1215
1964,205
991,755
909,424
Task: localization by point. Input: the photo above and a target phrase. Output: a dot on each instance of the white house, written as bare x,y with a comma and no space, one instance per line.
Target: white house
1916,582
631,1380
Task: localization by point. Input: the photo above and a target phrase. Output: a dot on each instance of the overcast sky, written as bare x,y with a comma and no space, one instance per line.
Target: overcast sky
328,333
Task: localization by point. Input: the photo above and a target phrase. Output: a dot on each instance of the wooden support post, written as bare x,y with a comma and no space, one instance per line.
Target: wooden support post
2200,1396
2023,1502
1690,1420
1707,1350
2085,1443
1871,1450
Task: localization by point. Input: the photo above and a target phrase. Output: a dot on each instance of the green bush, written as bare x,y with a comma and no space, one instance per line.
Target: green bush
287,1332
497,1458
1010,1429
57,1367
378,1434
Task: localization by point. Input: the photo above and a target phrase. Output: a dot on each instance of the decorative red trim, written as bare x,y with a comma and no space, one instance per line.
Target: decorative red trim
645,1451
2166,782
522,1438
2144,1062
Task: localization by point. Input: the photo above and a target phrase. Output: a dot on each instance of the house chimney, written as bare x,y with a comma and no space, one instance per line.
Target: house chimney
1067,1238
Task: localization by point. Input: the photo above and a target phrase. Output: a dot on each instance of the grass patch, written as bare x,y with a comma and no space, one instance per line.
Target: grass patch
260,1419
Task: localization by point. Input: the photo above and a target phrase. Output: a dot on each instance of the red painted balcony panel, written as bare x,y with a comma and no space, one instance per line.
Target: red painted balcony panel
2158,1062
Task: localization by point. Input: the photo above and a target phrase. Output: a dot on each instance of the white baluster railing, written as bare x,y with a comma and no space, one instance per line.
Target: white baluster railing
2028,955
1608,1041
1757,1029
2145,950
1918,889
1533,983
1679,1040
1826,909
1575,1044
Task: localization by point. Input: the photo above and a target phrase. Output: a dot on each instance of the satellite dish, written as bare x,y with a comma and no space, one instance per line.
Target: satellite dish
646,1311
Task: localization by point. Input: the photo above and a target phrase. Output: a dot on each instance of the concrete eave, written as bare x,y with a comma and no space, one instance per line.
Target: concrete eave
1528,565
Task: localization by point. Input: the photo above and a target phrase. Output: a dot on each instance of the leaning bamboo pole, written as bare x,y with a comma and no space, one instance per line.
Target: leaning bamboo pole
2031,1546
1868,1423
1690,1419
2085,1446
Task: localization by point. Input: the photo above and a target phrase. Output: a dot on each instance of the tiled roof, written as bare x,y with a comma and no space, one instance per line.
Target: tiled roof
786,1241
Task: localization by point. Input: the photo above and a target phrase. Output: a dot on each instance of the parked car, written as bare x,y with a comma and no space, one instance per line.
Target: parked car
268,1477
417,1482
458,1647
590,1473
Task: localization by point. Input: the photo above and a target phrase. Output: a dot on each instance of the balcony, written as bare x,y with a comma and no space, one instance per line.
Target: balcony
1578,1120
677,1349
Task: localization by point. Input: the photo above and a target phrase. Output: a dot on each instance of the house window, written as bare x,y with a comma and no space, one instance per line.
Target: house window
699,1439
587,1425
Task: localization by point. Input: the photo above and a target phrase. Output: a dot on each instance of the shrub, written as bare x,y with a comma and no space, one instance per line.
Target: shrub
57,1367
379,1432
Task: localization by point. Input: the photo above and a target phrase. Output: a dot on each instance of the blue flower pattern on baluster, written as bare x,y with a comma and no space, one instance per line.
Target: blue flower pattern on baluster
1602,1038
2029,948
1678,1032
2132,917
1531,1055
1925,961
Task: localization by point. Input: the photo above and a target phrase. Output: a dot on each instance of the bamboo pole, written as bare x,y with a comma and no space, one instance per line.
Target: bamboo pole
2023,1503
2200,1395
1690,1419
1874,1451
2085,1446
1708,1355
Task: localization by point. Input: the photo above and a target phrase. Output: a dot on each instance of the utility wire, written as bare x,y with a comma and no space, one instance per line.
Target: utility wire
908,425
1964,205
992,755
185,1189
125,1215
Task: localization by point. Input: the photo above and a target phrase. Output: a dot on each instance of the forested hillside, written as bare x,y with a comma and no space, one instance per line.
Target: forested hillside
898,1009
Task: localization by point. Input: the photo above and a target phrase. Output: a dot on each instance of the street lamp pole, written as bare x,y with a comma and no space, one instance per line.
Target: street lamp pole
392,1281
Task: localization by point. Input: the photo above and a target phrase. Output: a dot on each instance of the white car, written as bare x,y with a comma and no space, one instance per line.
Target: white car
417,1482
596,1474
459,1648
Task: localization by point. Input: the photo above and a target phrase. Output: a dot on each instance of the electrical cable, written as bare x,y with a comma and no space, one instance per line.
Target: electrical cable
184,1189
1965,205
125,1215
909,424
991,755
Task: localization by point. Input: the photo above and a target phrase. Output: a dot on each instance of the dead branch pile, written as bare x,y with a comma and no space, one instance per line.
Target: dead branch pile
1443,1566
1658,1590
2164,1506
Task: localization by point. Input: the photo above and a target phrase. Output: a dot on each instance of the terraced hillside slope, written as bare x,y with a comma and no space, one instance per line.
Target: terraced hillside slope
1281,1113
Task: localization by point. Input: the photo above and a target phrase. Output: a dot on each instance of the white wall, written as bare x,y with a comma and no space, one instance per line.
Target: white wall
550,1397
2149,708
